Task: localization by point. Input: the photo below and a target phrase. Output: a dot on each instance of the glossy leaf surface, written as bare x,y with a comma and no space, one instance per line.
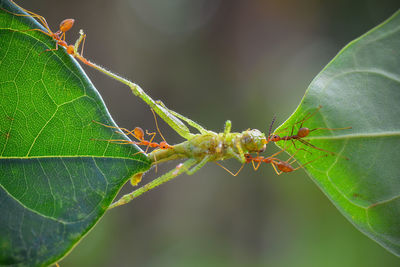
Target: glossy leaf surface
56,181
360,88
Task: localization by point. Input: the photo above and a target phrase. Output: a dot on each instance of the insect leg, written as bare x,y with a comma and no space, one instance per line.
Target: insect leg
226,169
228,127
199,165
275,169
156,182
187,120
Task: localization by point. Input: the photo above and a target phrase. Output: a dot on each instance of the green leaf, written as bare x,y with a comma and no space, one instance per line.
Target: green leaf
55,180
360,88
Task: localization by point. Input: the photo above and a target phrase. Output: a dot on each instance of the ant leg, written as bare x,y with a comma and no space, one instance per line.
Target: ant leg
308,116
277,153
255,167
275,169
226,169
153,135
294,145
301,166
39,30
282,130
294,154
53,49
158,129
41,19
62,37
321,149
126,131
117,141
313,146
181,168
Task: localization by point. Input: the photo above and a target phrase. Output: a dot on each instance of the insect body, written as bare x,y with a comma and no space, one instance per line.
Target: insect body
200,149
215,146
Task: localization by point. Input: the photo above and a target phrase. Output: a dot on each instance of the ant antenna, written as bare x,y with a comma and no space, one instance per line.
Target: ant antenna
272,123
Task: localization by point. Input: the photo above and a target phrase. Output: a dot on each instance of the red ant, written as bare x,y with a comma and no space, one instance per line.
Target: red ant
302,133
138,133
277,164
58,36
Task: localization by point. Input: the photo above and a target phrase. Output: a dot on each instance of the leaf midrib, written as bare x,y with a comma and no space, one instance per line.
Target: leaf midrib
76,156
353,136
44,215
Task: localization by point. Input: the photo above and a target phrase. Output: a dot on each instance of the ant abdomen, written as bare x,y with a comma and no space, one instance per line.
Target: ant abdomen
284,166
303,132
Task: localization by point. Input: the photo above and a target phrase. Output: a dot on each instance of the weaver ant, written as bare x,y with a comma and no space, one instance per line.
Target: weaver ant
302,132
58,36
277,164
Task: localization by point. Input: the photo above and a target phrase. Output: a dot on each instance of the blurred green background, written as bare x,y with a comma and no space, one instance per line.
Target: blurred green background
214,60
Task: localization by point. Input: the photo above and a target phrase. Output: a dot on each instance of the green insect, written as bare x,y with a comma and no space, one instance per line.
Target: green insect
199,148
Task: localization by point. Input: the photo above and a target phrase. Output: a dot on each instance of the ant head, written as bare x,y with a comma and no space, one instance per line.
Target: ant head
253,141
164,145
274,138
248,158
